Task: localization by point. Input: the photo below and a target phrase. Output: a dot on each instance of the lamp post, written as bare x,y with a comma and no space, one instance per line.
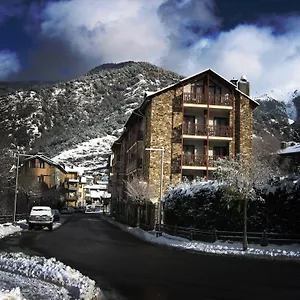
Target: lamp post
162,151
17,183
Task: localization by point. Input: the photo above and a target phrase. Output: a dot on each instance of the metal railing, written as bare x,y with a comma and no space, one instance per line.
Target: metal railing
263,238
9,218
204,130
189,159
199,98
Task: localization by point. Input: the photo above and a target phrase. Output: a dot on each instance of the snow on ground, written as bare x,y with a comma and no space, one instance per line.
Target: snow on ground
9,228
33,277
218,247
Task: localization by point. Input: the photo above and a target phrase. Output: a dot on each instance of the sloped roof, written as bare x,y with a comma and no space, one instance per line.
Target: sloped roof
47,160
149,95
184,80
293,149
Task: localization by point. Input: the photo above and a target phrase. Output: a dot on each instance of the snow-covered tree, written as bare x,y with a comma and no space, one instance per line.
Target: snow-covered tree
242,181
139,191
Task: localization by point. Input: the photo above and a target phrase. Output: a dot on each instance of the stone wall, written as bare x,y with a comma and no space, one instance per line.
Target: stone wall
244,126
159,136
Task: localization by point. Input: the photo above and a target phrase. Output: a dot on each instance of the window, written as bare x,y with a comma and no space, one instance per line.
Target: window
214,89
41,164
189,124
189,149
32,163
220,121
41,178
197,88
220,151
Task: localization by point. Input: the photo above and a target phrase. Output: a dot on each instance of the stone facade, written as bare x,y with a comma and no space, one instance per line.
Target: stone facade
159,136
244,127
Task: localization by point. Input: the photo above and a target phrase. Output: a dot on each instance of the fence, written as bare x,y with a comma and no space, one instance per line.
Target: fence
9,218
263,238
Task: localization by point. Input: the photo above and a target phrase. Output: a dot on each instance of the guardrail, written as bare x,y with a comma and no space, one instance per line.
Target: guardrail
9,218
262,238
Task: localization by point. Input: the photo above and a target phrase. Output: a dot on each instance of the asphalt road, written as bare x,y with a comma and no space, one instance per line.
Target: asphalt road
127,268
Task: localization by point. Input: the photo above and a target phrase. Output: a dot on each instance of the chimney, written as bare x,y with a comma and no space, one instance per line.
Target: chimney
234,81
244,85
283,145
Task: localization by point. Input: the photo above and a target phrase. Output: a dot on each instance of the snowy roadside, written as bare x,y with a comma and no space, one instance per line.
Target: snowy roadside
218,247
33,277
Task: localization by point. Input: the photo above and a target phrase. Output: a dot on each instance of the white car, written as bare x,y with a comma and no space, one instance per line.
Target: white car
40,216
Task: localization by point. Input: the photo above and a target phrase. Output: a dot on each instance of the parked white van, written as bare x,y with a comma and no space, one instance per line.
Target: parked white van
40,216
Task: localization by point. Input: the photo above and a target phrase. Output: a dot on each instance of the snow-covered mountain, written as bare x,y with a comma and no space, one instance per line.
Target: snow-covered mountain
77,121
285,96
278,114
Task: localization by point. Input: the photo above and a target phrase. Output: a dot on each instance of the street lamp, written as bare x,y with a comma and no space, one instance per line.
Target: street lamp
17,183
162,150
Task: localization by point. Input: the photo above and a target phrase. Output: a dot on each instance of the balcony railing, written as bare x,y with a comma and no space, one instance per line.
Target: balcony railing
200,160
199,98
211,130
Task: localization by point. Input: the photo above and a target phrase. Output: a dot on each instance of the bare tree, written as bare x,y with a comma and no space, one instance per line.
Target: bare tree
7,176
139,192
242,180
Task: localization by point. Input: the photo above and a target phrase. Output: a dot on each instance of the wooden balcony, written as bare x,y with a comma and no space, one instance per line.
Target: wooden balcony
200,160
205,130
198,98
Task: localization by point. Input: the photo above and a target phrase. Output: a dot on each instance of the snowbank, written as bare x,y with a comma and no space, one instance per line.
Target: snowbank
50,270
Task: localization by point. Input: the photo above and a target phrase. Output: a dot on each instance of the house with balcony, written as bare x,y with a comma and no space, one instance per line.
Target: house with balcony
73,186
194,122
42,169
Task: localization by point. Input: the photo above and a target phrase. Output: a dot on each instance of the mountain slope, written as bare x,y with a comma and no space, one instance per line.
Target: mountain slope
59,117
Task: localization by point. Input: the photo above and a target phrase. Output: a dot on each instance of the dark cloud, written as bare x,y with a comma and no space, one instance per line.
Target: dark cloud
11,8
192,19
51,60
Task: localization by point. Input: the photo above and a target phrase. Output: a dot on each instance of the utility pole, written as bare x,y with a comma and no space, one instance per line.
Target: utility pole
159,218
16,187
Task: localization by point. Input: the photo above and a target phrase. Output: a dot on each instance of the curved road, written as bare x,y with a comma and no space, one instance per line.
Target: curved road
127,268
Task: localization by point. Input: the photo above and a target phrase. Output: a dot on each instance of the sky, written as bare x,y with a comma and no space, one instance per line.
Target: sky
51,40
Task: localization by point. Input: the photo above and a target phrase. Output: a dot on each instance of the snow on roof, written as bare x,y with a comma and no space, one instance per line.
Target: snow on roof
47,160
148,93
95,194
295,148
105,194
78,170
96,187
73,180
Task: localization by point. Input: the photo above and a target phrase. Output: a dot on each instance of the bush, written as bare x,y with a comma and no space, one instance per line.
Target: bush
202,205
